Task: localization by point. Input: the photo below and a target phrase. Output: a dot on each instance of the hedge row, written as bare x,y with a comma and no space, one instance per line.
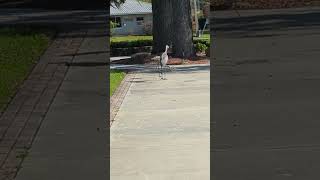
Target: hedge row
206,42
129,50
143,43
127,44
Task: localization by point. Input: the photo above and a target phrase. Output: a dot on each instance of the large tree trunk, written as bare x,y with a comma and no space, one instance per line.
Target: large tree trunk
162,24
182,25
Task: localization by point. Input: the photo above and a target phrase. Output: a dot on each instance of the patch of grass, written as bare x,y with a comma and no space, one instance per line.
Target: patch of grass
20,49
116,77
129,38
203,37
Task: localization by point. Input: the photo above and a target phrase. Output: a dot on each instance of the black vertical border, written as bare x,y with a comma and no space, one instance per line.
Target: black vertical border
108,90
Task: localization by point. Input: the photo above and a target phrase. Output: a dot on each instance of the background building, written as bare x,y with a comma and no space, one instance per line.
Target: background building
132,18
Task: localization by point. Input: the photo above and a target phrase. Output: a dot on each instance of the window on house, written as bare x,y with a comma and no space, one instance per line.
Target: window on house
117,21
140,20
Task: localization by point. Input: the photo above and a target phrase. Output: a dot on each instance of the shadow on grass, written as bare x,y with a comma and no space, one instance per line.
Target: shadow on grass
21,47
27,30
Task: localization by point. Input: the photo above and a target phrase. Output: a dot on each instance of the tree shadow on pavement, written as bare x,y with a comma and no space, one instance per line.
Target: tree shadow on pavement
62,20
255,23
153,68
53,4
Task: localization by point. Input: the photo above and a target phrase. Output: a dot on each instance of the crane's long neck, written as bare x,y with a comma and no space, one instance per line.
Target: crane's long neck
166,50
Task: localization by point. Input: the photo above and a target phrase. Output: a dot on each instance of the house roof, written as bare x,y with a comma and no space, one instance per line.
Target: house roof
131,7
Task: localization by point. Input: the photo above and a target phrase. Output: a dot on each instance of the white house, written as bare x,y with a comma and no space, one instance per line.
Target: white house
132,18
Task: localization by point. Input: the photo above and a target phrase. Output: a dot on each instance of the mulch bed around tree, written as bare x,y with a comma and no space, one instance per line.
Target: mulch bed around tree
180,61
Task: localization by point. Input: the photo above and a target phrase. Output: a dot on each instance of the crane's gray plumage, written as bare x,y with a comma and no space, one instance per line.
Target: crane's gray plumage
163,61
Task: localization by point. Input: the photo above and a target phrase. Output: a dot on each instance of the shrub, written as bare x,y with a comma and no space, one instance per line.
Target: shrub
206,42
140,58
199,47
129,51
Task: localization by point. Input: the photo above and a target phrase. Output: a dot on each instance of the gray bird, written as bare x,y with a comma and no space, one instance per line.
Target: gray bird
163,62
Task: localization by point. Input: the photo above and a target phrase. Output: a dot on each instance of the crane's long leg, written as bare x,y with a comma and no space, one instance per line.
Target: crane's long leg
164,73
161,72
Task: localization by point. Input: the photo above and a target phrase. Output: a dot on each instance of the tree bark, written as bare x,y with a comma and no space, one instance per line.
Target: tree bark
162,24
182,40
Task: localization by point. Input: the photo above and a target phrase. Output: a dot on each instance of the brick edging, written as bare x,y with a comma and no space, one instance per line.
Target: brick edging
119,95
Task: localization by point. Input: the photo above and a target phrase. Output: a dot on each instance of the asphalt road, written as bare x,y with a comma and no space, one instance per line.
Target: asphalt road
265,81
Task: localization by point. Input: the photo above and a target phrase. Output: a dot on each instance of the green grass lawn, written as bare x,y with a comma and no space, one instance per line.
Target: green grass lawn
115,80
20,49
129,38
203,37
135,38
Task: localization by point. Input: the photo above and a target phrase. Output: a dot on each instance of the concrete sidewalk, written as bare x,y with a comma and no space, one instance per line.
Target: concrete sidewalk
60,130
163,126
71,143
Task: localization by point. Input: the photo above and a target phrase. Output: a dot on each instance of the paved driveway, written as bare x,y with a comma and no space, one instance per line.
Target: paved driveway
162,128
266,83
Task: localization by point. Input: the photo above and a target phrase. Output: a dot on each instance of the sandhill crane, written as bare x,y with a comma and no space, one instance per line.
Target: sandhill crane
163,62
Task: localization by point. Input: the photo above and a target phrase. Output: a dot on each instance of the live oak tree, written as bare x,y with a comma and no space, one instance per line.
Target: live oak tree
182,38
162,24
172,25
